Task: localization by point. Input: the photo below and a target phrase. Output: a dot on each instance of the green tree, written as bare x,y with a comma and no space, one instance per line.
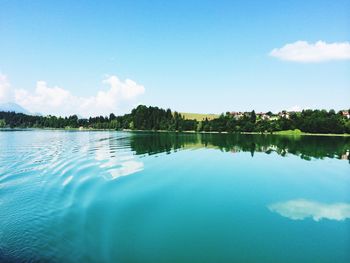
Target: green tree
2,123
253,117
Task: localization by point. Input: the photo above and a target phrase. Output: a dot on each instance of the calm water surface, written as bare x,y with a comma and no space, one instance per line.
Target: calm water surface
139,197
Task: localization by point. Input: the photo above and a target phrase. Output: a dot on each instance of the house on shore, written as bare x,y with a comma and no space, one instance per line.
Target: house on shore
263,116
237,114
284,114
346,114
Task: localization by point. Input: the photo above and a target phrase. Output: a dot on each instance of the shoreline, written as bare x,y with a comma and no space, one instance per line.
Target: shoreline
248,133
301,134
280,133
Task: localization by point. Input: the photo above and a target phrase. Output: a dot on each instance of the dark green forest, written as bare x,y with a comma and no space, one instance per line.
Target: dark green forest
154,118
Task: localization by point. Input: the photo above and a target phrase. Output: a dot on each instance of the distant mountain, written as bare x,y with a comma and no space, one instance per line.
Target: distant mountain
11,106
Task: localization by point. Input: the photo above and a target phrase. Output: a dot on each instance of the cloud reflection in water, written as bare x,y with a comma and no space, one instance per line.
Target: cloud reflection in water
117,163
300,209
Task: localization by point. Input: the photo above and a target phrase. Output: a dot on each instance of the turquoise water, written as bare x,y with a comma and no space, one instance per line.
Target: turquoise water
156,197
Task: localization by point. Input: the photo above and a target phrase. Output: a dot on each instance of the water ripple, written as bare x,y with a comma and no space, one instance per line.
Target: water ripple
81,197
54,171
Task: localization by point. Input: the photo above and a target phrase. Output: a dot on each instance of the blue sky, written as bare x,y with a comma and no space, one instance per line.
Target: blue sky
191,56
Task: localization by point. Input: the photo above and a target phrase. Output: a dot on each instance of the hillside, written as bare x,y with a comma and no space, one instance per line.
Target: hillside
198,116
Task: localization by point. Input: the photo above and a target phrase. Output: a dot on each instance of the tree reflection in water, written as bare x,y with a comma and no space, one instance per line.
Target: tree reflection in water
307,147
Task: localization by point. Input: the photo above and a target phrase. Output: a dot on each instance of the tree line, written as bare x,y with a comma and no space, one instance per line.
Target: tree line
311,121
154,118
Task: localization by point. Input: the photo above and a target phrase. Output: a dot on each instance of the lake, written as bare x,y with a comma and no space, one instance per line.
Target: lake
68,196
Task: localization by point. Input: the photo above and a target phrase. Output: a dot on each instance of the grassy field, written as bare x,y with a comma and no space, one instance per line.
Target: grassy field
290,132
198,116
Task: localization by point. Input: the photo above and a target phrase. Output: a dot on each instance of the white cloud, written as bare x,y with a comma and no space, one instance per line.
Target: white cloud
302,51
5,89
128,89
58,101
300,209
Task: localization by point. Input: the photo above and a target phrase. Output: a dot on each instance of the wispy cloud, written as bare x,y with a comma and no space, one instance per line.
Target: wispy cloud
58,101
300,209
302,51
5,89
295,108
